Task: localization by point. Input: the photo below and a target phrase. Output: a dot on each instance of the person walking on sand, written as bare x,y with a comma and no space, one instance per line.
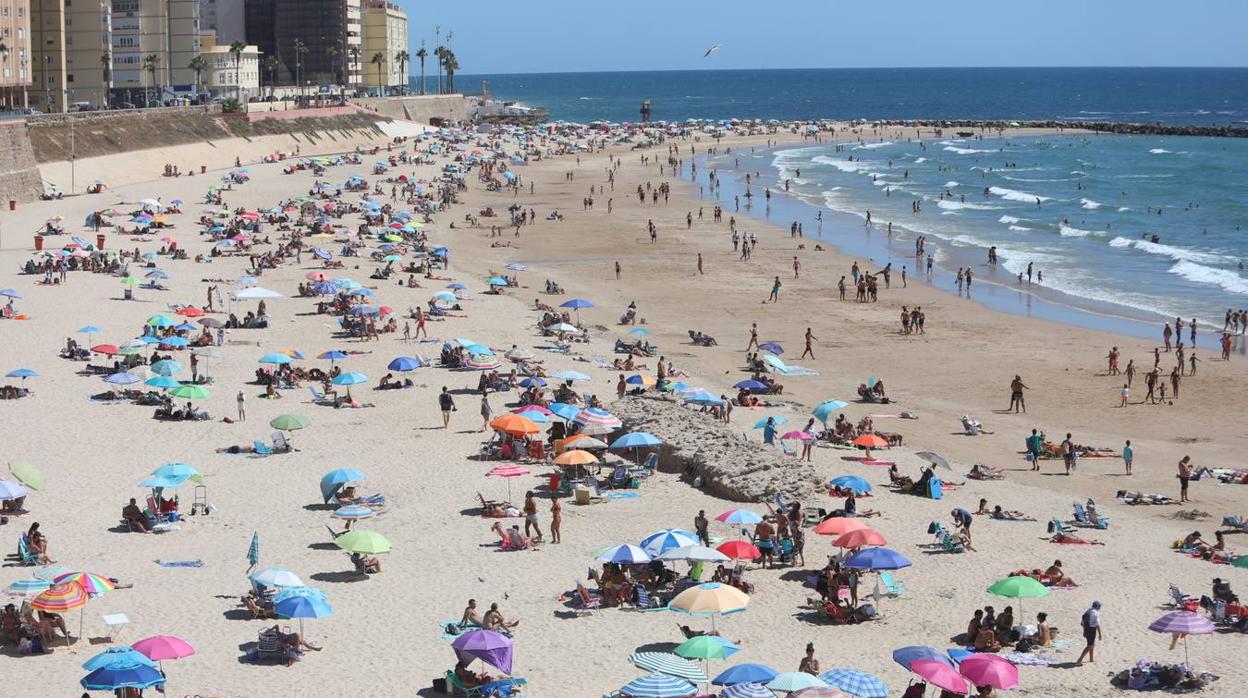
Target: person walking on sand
797,268
530,516
1185,476
1126,395
1128,454
617,271
753,337
1068,454
485,409
699,264
242,407
775,291
1016,395
1165,335
810,337
556,518
1091,623
1034,443
447,404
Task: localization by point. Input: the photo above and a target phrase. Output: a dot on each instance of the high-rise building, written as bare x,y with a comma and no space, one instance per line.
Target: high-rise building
328,30
153,44
15,52
385,33
223,19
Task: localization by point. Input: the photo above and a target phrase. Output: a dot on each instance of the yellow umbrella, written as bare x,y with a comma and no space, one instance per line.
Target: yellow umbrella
710,599
575,457
27,474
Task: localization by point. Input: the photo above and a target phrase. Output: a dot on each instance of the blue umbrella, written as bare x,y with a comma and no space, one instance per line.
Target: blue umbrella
404,363
626,554
876,559
825,409
301,602
701,397
253,551
564,410
349,378
111,677
905,656
325,288
11,293
497,281
160,482
322,253
531,381
660,542
456,286
658,686
175,472
535,416
335,479
576,303
771,347
160,321
22,373
333,355
361,292
28,587
185,327
89,329
365,310
175,341
640,331
157,274
751,384
747,690
120,655
166,367
636,439
276,358
776,421
121,378
570,376
856,683
853,482
162,382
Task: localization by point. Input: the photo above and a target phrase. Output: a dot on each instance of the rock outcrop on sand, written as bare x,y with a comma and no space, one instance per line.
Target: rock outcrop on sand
728,464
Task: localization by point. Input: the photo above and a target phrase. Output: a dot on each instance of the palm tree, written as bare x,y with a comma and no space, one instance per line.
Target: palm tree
271,64
450,65
150,62
355,59
301,50
4,55
440,54
236,50
379,59
106,62
332,53
422,54
402,57
198,64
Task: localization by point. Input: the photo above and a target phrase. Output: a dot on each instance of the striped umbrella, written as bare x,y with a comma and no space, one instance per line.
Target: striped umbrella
669,664
658,686
1182,624
791,681
482,363
660,542
747,690
353,512
253,551
856,683
818,692
27,587
60,598
93,584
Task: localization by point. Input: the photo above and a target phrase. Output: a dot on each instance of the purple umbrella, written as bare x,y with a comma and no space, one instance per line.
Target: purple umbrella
490,647
1182,623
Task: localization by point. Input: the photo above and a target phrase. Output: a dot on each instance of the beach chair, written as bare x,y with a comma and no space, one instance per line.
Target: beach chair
1178,598
333,535
951,545
619,478
317,396
271,647
261,448
646,469
457,687
1082,519
1056,526
894,587
585,495
585,603
153,511
645,601
25,556
280,444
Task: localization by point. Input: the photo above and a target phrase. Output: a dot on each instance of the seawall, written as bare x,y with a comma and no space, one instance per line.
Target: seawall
424,109
19,174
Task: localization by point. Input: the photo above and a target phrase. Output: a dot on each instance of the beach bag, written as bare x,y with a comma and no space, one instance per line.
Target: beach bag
452,629
439,685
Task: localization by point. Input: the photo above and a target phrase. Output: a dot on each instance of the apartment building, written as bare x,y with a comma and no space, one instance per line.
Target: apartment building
329,30
385,32
153,42
15,52
229,78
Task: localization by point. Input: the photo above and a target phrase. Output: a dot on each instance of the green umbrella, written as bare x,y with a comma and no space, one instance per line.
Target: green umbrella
290,422
1020,588
706,647
364,542
191,391
129,281
27,474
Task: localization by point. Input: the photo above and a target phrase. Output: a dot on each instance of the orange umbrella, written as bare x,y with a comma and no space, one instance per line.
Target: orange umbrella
838,526
858,538
868,442
515,425
575,457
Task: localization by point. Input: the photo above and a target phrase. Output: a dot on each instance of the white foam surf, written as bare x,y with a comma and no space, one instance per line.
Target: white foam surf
1090,204
1225,279
1015,195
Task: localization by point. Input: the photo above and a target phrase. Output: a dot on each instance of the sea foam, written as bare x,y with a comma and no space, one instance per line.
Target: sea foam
1227,280
1015,195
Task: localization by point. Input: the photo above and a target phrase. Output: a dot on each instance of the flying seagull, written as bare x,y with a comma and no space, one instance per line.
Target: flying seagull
711,50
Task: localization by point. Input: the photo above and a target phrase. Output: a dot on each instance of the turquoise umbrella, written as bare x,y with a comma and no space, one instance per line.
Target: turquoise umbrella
162,382
166,367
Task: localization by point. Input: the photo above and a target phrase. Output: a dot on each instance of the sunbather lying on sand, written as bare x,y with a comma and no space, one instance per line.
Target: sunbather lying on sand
1068,539
1003,515
1133,498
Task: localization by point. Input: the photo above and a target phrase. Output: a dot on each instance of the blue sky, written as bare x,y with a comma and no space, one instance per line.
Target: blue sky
510,36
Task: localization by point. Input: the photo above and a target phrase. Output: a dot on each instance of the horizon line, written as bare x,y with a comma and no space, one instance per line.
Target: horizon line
943,67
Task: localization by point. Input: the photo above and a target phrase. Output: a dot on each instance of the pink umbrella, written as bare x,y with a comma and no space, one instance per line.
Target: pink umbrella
940,675
161,647
989,670
508,471
802,435
1181,624
534,408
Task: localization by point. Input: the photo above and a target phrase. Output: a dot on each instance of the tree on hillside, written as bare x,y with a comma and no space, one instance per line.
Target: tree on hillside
450,65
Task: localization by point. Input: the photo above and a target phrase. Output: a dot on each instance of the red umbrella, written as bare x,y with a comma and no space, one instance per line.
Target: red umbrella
989,670
940,675
108,349
190,311
740,550
858,538
838,526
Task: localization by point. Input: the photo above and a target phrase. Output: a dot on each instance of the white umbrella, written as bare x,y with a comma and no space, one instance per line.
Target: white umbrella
694,553
934,458
255,293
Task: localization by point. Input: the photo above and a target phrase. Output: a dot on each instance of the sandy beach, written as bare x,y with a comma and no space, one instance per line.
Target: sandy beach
384,636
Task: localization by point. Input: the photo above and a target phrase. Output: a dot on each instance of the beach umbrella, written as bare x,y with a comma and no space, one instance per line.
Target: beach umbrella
363,542
481,362
747,690
157,274
797,435
349,378
159,483
640,331
507,472
130,281
643,379
739,517
191,391
301,602
626,554
934,458
790,681
825,409
531,381
120,655
166,367
121,378
876,559
489,646
579,441
190,311
61,598
10,293
276,358
162,382
404,363
160,321
636,439
745,673
317,276
530,410
89,330
905,656
335,479
177,472
278,577
211,322
516,266
27,587
710,599
575,457
658,686
694,553
115,676
1181,624
989,670
445,297
570,376
740,550
597,420
175,342
750,384
93,584
253,551
563,327
564,410
255,293
106,349
870,441
940,675
706,647
290,422
776,420
514,424
818,692
853,482
27,474
669,664
185,327
1019,587
11,490
332,356
353,512
771,347
22,373
859,538
855,683
666,539
50,572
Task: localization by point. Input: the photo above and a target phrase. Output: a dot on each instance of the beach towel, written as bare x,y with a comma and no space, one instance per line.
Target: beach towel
180,563
796,371
623,495
1019,658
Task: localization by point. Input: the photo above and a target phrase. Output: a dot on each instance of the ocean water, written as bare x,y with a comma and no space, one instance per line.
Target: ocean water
1082,210
1168,95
